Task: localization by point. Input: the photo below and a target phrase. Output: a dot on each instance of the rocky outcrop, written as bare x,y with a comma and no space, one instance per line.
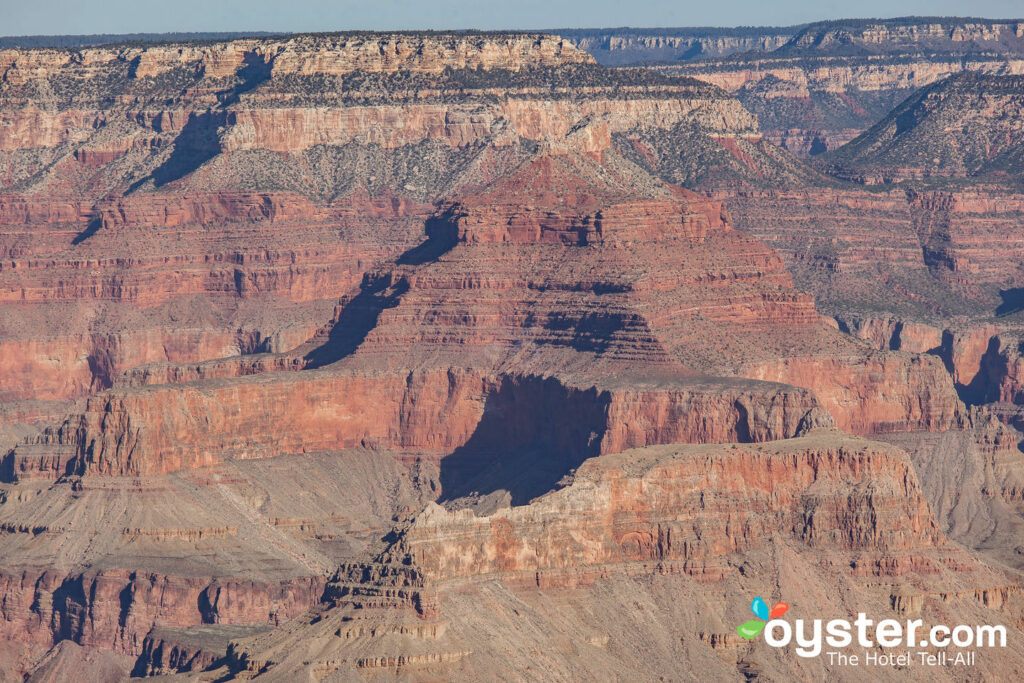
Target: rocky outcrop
962,350
809,142
918,139
619,46
878,395
650,506
116,609
939,253
813,102
658,528
307,55
102,561
881,36
460,126
155,430
56,368
850,37
893,333
170,651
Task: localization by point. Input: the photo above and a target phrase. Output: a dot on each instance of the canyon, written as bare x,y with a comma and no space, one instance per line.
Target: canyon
448,355
818,86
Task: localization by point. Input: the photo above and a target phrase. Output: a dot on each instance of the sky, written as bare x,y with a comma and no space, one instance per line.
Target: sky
31,17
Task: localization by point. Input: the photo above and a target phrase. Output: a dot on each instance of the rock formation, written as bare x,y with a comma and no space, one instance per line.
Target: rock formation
966,125
659,533
833,80
619,46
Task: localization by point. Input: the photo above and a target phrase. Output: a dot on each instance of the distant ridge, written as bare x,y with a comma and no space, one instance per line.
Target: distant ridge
853,37
137,39
846,37
7,42
625,45
609,45
967,125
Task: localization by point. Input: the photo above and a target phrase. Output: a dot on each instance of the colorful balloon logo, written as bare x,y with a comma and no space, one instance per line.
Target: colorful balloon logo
750,629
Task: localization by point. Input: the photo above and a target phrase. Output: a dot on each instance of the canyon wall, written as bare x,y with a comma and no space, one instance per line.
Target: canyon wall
816,87
103,212
812,104
661,528
614,47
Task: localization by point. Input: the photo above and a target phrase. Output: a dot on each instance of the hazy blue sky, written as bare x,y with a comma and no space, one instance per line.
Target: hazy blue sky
22,17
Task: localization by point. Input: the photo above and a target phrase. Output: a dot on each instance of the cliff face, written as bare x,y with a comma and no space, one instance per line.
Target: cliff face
815,102
154,431
324,54
100,561
816,87
850,37
875,36
669,530
615,47
930,272
225,173
641,504
941,252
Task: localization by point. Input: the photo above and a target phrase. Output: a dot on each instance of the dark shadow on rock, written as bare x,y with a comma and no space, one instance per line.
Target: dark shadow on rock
7,475
1013,301
255,70
69,605
591,332
125,598
198,141
196,144
91,229
442,235
945,352
693,52
357,318
102,369
742,422
377,293
981,388
140,669
533,433
896,340
207,609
